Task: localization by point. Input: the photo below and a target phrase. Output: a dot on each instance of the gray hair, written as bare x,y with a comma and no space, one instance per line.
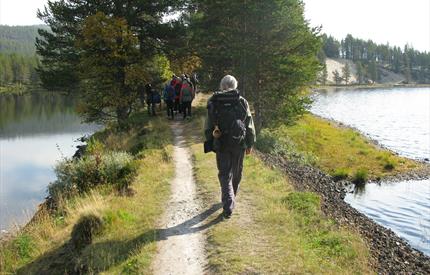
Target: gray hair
228,83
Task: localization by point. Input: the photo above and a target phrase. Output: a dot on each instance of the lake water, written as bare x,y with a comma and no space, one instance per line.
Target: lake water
399,119
35,132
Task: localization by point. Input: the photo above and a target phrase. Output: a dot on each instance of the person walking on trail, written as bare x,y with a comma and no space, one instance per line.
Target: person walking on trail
230,133
149,99
178,86
169,99
186,97
194,81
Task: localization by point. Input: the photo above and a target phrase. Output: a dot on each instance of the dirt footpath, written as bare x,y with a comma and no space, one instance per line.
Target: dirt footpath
182,239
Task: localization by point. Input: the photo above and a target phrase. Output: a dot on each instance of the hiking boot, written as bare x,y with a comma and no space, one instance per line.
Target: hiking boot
226,215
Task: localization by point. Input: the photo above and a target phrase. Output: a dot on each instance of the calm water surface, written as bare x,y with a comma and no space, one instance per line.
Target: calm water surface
35,132
399,119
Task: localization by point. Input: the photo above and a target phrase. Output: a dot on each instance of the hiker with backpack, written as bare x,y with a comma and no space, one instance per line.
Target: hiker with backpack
169,98
149,99
230,133
186,97
178,87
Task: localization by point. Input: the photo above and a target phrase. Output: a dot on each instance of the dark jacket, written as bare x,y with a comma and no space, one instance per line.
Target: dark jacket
250,137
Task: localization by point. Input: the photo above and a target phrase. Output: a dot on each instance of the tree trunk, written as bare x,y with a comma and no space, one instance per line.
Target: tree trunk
122,114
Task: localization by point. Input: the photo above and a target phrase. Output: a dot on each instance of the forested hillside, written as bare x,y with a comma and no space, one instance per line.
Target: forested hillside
19,39
371,59
18,54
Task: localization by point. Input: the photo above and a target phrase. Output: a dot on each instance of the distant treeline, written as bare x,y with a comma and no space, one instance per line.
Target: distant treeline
18,58
413,64
19,39
18,69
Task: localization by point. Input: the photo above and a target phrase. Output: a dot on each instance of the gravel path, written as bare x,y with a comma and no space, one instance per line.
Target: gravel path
182,240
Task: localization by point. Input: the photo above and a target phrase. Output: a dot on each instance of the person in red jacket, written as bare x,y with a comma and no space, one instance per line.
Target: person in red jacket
178,86
186,97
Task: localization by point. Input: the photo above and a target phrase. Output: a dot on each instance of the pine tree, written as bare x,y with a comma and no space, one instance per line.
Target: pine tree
61,57
272,61
112,69
105,50
360,73
337,77
346,73
324,75
6,73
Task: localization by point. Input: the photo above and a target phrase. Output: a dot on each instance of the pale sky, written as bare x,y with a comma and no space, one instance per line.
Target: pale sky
395,21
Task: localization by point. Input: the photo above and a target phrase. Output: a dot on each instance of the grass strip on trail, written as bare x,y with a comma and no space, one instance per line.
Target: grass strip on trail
127,242
274,229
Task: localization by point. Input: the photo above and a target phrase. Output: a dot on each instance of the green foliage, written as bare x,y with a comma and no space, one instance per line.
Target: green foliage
323,75
24,246
117,48
108,66
18,69
389,164
78,176
85,230
337,77
331,46
268,142
360,176
272,60
346,73
340,174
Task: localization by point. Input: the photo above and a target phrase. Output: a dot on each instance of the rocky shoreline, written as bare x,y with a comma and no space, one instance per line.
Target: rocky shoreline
390,253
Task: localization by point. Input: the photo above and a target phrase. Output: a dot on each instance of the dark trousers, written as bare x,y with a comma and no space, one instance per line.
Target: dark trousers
170,106
178,106
186,109
230,166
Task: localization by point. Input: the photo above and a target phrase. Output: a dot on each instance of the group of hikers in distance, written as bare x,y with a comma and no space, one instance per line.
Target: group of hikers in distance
178,95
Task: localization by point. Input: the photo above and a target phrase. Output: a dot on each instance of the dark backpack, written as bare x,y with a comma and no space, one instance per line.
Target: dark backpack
170,93
229,113
187,92
156,98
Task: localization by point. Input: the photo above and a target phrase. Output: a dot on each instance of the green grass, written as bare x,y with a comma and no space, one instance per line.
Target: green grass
360,176
274,229
341,152
127,242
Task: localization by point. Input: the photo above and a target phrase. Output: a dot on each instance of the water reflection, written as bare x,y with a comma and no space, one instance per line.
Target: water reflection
399,119
39,113
404,207
35,132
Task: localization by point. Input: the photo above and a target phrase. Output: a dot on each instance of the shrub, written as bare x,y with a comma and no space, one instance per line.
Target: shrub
24,246
84,231
340,174
80,175
389,164
360,176
270,143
